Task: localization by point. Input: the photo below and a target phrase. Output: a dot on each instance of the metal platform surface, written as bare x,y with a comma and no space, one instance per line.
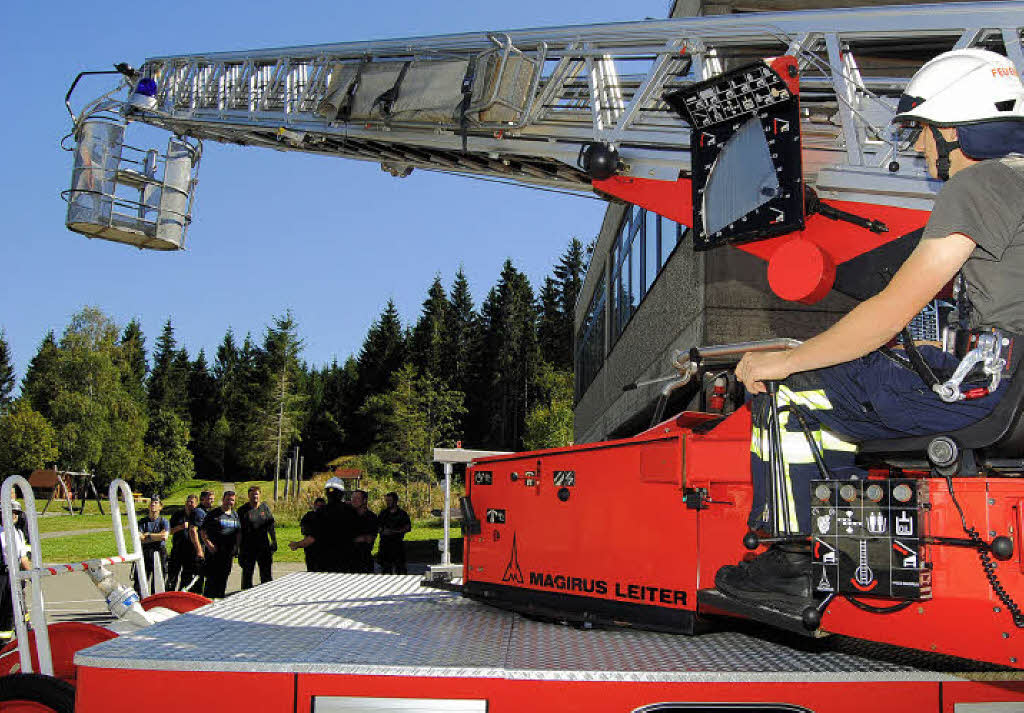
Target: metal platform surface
391,625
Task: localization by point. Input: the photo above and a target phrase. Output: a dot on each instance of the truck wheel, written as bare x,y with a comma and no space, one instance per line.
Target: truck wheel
36,693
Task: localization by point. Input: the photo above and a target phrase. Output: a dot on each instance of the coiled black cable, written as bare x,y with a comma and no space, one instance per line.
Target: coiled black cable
987,564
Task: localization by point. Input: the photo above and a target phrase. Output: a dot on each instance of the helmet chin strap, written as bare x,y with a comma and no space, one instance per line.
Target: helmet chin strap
943,148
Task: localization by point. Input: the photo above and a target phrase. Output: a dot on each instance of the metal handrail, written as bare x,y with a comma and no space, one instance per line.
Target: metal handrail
119,486
38,571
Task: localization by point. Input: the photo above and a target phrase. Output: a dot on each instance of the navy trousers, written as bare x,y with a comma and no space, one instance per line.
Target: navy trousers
870,398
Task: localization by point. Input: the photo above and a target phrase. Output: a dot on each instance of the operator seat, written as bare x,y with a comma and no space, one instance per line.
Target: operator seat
996,441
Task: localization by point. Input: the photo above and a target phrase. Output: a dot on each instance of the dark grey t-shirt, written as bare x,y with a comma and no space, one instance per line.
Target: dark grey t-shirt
985,202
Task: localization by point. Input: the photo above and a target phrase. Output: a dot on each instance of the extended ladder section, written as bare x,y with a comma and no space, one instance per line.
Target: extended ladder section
526,105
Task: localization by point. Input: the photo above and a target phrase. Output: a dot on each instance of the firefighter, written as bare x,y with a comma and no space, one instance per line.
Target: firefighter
964,110
331,531
394,523
364,534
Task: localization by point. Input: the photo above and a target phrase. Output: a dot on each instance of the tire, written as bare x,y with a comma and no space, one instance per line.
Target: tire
25,692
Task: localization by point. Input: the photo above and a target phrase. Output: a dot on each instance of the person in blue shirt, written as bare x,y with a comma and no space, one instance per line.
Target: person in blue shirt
221,533
153,532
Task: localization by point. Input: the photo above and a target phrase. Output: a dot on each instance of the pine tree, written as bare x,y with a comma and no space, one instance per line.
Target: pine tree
550,324
250,386
463,339
383,351
41,380
6,374
168,381
569,273
506,363
281,413
204,413
382,355
133,350
418,413
429,342
331,392
226,374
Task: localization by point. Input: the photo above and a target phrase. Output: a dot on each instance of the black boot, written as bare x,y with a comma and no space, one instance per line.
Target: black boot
782,575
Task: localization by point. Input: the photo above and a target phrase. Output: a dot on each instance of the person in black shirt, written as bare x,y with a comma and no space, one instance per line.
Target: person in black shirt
331,531
220,533
185,559
365,534
258,541
205,506
394,522
307,526
153,531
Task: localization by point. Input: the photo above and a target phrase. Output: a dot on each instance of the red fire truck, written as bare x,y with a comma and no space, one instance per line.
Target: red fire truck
587,581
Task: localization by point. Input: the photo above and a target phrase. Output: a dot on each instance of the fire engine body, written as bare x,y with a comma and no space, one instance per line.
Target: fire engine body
631,531
625,533
331,642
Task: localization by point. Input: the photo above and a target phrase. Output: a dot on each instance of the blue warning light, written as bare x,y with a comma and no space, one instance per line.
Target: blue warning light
146,87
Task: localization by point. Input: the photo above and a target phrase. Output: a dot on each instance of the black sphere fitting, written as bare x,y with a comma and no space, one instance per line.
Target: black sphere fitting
811,618
1001,548
751,541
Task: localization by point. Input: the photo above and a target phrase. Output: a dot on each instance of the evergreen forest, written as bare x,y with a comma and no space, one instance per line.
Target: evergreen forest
497,376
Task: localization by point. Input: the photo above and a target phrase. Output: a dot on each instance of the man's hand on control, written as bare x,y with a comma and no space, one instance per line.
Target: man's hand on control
757,367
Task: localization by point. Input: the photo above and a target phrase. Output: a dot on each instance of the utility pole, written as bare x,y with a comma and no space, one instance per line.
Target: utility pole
280,425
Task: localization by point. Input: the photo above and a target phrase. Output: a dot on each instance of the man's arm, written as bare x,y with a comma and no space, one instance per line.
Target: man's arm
182,526
193,536
272,529
205,535
302,544
873,322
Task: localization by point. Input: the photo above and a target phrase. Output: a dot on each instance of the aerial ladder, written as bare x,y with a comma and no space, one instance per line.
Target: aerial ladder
579,108
767,131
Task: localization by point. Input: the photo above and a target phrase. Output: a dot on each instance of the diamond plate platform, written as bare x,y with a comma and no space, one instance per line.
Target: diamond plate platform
390,625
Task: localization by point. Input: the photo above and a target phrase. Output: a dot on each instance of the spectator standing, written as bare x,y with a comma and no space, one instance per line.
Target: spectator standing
365,533
186,557
394,522
258,541
331,531
307,526
6,607
220,532
153,532
205,506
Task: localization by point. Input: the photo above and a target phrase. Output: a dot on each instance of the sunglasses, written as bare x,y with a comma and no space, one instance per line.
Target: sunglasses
907,133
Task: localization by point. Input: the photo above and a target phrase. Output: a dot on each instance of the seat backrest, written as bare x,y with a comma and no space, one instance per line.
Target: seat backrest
1001,433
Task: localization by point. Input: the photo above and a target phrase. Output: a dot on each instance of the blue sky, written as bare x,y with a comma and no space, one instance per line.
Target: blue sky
331,239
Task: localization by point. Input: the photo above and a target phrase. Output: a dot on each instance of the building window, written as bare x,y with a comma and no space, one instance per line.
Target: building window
641,249
590,341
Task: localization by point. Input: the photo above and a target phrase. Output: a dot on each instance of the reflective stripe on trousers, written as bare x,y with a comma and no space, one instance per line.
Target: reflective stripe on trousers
865,399
786,502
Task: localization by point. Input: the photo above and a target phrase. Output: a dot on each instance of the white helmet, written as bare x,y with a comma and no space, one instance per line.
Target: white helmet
334,483
974,90
963,86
